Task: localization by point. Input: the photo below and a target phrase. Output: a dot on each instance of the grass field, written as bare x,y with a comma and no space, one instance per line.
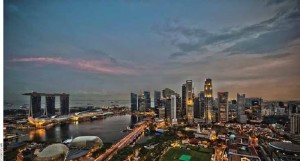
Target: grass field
174,154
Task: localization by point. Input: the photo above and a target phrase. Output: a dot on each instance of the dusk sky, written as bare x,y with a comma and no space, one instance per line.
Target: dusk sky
107,49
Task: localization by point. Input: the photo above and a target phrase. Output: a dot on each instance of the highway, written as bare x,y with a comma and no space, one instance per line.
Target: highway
109,153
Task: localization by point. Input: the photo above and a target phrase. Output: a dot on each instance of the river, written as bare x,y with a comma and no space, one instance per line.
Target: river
109,130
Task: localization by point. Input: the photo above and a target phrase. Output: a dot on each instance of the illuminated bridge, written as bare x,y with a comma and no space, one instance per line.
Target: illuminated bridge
122,143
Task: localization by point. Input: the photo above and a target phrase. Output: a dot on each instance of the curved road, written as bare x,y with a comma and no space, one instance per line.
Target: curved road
109,153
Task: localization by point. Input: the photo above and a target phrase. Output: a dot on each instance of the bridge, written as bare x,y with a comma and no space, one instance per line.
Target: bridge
121,144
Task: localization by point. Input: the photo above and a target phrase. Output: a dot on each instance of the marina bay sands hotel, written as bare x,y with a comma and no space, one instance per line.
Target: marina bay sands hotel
35,104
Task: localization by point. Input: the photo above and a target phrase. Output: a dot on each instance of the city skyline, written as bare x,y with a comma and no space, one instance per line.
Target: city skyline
109,49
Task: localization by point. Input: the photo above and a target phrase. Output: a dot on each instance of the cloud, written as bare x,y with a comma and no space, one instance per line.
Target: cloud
266,43
42,59
278,56
266,36
177,54
93,66
274,2
97,53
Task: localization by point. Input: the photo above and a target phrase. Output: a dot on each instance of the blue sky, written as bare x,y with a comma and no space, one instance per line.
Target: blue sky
111,48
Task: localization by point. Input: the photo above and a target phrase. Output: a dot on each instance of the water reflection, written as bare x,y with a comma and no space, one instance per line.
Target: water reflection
75,122
108,129
37,134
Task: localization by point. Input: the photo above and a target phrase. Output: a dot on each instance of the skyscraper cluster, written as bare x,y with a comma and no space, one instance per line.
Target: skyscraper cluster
199,107
167,104
140,102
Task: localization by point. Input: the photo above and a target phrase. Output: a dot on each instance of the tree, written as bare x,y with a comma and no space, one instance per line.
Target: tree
152,128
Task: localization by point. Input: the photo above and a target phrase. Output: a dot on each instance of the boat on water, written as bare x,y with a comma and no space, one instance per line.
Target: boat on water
94,117
68,141
127,129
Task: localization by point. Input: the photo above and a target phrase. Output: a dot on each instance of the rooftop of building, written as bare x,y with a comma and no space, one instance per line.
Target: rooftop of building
76,153
53,151
86,142
46,94
242,149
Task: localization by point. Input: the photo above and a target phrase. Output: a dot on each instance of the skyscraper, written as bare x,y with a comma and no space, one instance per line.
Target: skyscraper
256,108
208,100
241,104
157,100
189,102
173,109
202,104
232,110
147,99
293,107
133,102
35,105
241,101
141,103
178,107
295,123
168,109
64,104
223,106
183,100
167,92
50,105
157,96
197,107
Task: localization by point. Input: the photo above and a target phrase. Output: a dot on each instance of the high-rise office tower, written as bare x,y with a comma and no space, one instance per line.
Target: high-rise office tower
183,100
147,99
157,100
35,105
64,104
168,109
178,107
295,123
223,106
232,110
133,102
197,107
208,100
248,103
167,92
215,115
256,108
50,105
241,104
141,103
201,104
189,102
293,107
173,109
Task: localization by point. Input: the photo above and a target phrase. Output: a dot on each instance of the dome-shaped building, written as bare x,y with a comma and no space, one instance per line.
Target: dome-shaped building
54,152
86,142
232,137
